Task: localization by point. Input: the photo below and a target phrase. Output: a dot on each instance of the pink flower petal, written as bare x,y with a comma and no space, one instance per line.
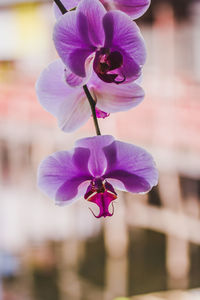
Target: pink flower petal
112,98
60,176
69,105
97,162
132,166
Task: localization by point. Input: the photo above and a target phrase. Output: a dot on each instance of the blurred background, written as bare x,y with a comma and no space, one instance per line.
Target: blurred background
152,243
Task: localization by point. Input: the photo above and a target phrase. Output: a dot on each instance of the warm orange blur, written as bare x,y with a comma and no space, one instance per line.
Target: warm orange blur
152,242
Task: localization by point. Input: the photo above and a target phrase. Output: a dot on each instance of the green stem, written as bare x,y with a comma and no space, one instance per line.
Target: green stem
92,106
86,90
61,6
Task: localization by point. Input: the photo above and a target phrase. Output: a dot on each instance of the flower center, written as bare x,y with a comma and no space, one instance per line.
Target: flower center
106,63
101,193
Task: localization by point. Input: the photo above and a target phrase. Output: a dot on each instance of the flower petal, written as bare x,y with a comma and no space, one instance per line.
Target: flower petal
114,98
74,80
131,165
74,113
97,161
60,175
94,12
123,35
68,105
134,8
72,41
77,60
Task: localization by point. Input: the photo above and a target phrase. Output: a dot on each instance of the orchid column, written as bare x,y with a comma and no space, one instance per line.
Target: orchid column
102,53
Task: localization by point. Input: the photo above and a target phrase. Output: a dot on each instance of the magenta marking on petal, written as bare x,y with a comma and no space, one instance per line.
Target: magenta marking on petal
120,81
101,114
101,193
99,216
109,78
106,64
110,188
103,200
115,60
89,192
71,79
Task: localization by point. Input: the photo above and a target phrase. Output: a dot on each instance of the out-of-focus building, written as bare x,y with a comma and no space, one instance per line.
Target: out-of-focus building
152,242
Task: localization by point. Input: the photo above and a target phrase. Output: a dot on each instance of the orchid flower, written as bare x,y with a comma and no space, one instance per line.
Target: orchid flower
94,169
134,8
110,41
70,105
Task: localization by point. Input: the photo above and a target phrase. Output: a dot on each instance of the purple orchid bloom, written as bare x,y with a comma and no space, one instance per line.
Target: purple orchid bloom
110,41
134,8
94,169
70,105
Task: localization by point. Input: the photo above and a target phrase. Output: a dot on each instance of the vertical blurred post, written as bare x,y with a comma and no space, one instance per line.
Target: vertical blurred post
177,256
70,252
116,242
163,59
177,251
1,288
195,32
177,262
164,41
1,272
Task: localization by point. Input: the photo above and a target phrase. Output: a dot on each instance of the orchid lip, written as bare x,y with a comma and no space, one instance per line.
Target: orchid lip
107,61
107,214
120,81
101,193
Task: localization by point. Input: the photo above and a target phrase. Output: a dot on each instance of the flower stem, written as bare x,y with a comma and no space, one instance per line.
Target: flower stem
92,106
86,90
61,6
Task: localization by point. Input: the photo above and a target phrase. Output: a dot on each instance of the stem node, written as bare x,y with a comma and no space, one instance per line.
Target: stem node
92,106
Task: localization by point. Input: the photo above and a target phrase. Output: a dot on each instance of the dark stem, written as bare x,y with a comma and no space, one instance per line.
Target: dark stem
61,6
92,106
86,90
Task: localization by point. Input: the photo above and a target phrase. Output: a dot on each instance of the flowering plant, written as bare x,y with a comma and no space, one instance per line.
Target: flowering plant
70,106
93,169
102,53
110,41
